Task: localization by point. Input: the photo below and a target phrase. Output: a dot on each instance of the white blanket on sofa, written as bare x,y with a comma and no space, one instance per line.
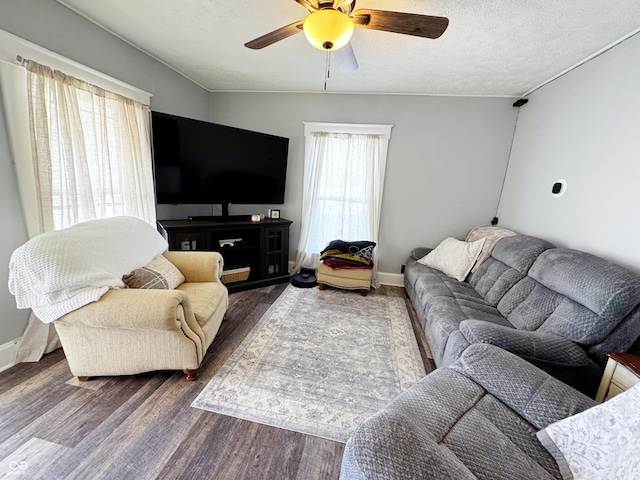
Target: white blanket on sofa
600,443
60,271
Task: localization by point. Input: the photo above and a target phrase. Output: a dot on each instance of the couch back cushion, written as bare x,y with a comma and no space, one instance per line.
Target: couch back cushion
573,294
509,263
528,304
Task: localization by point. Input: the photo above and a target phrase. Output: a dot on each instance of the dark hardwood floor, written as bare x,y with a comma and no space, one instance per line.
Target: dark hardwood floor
143,427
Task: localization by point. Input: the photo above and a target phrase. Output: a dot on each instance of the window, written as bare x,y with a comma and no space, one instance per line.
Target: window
91,151
343,180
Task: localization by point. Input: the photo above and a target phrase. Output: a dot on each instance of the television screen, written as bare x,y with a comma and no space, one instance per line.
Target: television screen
200,162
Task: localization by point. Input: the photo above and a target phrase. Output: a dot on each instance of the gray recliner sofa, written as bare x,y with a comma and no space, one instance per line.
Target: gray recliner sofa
558,308
476,418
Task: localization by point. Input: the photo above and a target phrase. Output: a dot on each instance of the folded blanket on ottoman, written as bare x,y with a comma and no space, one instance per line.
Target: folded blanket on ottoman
345,255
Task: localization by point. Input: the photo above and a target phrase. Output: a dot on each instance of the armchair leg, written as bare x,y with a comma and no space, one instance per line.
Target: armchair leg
191,375
83,379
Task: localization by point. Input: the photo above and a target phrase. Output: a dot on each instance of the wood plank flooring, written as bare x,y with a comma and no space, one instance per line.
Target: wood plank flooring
143,427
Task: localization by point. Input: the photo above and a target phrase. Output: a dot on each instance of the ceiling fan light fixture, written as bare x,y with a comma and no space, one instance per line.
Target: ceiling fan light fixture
328,29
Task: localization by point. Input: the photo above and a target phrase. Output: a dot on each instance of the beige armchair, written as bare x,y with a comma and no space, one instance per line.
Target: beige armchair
131,331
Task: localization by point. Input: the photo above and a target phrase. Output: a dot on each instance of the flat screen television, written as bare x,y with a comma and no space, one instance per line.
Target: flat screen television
198,162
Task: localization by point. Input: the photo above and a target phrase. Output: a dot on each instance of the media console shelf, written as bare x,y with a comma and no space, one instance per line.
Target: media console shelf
262,246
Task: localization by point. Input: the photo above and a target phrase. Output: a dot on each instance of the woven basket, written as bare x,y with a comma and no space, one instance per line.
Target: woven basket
236,275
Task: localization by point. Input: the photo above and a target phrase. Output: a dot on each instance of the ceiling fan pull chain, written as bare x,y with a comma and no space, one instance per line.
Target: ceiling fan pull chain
326,77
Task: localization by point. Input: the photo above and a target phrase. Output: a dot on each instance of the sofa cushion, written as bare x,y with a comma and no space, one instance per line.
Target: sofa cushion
528,304
205,297
494,279
511,437
572,294
607,290
413,270
521,251
509,263
434,283
454,257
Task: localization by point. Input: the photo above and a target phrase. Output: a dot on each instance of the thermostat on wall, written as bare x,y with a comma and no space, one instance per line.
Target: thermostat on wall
558,188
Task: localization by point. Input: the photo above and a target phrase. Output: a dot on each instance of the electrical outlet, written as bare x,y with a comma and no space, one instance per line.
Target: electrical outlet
402,269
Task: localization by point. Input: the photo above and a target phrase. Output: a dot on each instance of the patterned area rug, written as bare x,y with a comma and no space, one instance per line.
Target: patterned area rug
319,363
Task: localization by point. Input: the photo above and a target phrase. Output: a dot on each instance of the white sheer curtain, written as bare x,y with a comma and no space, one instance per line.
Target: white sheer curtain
91,159
342,192
91,151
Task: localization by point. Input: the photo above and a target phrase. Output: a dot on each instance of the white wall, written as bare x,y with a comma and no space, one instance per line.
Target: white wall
52,26
584,128
446,161
13,233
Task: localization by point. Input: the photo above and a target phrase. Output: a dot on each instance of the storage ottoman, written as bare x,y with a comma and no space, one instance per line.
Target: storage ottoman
350,279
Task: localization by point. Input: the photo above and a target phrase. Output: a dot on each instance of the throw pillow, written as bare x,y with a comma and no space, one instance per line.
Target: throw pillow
454,257
599,443
159,273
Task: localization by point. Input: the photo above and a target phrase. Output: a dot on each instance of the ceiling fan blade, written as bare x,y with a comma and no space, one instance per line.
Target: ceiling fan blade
309,5
346,59
397,22
339,3
275,36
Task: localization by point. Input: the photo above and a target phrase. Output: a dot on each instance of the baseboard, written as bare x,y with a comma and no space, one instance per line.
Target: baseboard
8,353
394,279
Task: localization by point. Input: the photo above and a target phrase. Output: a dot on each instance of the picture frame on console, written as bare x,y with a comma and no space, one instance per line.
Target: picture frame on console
274,213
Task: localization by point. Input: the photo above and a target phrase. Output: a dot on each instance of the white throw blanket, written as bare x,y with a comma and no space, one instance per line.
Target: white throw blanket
60,271
600,443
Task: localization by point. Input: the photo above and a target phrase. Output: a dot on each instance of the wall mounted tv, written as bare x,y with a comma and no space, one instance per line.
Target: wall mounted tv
198,162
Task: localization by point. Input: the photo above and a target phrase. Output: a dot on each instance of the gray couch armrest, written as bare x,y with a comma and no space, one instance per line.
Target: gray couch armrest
405,439
536,346
530,392
419,252
388,446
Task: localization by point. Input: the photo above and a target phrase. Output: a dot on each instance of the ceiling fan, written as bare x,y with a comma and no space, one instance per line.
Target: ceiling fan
330,24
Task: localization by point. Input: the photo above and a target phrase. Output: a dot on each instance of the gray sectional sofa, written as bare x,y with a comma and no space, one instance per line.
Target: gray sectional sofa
532,321
475,419
560,309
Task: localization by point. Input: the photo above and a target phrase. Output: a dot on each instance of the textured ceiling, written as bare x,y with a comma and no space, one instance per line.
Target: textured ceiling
492,47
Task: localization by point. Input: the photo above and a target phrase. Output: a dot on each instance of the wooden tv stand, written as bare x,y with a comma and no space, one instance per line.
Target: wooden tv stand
262,246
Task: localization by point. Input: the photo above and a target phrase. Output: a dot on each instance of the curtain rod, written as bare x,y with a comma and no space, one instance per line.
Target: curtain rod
22,61
19,61
12,47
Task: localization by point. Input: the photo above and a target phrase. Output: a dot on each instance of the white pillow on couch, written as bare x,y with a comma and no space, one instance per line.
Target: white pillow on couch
454,257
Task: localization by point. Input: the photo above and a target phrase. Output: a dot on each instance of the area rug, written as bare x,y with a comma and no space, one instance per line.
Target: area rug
319,363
